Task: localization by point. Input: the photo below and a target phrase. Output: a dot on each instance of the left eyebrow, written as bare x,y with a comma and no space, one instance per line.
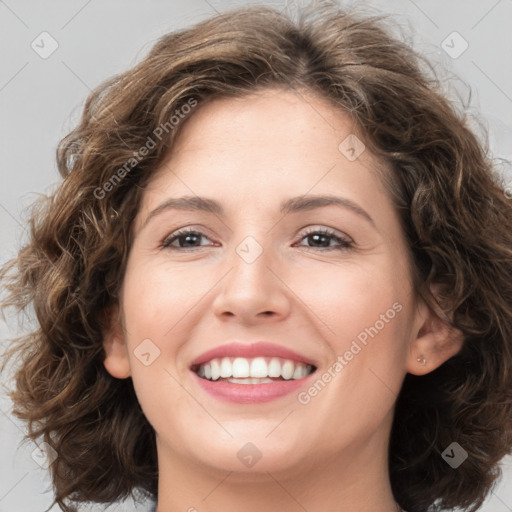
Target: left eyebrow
305,203
291,205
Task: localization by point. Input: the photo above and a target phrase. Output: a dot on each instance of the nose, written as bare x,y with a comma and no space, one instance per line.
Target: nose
254,289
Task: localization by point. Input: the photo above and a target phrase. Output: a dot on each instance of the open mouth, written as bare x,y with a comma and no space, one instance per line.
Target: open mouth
257,370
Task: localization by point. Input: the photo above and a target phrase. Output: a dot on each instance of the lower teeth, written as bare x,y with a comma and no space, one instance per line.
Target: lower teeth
250,380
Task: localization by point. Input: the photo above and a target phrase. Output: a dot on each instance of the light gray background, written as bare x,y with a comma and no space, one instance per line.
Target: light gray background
40,101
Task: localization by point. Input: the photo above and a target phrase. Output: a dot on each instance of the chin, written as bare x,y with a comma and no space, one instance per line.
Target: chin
246,454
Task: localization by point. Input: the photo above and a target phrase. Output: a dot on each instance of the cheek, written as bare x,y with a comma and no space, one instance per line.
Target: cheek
149,308
156,296
348,297
160,304
365,313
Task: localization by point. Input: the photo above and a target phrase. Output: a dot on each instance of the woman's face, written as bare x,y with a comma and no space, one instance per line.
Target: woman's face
322,284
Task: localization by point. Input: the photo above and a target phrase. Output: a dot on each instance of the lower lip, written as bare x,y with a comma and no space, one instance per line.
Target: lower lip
250,393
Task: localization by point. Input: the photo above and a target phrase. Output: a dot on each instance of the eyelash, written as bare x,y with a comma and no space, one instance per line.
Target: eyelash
344,243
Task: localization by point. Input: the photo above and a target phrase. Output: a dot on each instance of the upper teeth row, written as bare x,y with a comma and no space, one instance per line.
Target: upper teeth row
259,367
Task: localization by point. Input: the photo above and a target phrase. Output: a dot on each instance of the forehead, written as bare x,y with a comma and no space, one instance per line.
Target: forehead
273,140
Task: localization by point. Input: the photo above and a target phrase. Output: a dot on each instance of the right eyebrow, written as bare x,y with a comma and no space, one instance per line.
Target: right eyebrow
187,203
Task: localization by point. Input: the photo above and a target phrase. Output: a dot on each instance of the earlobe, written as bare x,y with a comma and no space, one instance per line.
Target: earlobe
116,360
435,342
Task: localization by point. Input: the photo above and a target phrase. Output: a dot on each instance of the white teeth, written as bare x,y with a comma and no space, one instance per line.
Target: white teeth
297,374
274,368
225,367
287,370
240,370
215,369
258,367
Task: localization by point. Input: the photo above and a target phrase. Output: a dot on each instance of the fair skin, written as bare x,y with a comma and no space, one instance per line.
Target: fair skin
330,454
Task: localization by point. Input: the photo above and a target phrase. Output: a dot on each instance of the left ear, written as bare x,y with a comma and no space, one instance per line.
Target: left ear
435,341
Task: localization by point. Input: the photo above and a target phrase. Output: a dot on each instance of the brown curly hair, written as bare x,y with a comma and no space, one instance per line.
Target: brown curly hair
453,210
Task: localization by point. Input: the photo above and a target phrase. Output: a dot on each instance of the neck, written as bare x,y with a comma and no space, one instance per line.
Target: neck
355,479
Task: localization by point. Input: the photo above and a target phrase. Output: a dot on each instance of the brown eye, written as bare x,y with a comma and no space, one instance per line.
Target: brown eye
186,238
324,237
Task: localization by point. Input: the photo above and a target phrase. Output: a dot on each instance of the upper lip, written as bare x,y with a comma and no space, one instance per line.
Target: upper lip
251,350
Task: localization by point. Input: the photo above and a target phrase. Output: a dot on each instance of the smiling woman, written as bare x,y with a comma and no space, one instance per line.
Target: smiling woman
319,250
